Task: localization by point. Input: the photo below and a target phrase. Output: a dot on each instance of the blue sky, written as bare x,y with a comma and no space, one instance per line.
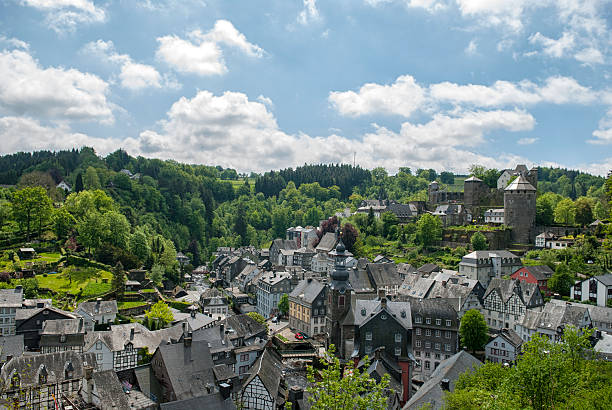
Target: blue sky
258,85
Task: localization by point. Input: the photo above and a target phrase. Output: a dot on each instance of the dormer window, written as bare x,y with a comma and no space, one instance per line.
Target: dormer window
418,319
15,381
341,301
363,312
69,372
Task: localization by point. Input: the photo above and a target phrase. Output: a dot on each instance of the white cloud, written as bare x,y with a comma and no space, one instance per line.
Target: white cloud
403,97
495,12
52,93
66,15
14,43
201,54
265,100
429,5
590,56
527,141
472,48
551,47
603,135
309,14
133,76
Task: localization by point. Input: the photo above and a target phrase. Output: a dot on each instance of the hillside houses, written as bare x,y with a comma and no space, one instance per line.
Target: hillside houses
506,303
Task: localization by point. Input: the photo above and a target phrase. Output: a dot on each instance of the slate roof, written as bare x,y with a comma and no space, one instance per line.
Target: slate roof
448,209
189,368
209,402
28,366
272,278
405,268
11,346
487,254
243,326
63,327
473,179
508,287
598,313
269,369
364,310
285,244
307,290
511,337
605,279
212,296
218,341
110,390
360,281
24,314
554,316
431,392
433,307
540,272
428,268
383,274
199,321
327,242
107,307
11,298
520,184
402,210
119,335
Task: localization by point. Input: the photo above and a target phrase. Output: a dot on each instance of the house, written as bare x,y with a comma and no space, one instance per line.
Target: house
404,212
431,394
246,275
542,239
552,320
504,348
494,216
384,277
105,391
377,206
485,265
404,269
247,338
382,259
427,269
276,247
29,323
212,301
98,312
64,185
265,388
10,346
381,364
506,302
232,269
435,328
548,240
62,334
535,274
132,285
603,346
214,401
270,287
327,243
195,319
360,282
307,307
597,289
303,257
601,316
303,236
44,378
10,301
452,214
321,263
27,253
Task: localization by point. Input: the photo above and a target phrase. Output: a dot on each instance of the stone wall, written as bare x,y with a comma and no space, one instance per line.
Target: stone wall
498,239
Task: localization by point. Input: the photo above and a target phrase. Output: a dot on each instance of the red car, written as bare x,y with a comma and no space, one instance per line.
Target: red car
299,336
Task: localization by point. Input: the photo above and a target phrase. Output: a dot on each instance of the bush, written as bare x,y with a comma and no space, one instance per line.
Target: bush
86,263
179,305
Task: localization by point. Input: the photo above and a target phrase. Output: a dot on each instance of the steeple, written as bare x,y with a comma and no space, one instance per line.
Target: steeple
340,274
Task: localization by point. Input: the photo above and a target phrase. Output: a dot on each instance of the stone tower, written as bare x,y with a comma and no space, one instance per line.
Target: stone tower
338,298
520,210
432,191
474,190
532,177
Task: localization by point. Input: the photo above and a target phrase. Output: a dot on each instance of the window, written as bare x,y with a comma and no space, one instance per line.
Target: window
341,301
427,355
437,356
494,343
427,332
437,345
438,333
418,343
62,338
428,320
316,330
448,323
503,344
398,351
417,353
98,345
418,319
418,331
98,357
447,347
368,335
447,334
368,349
427,365
244,357
398,337
438,322
427,345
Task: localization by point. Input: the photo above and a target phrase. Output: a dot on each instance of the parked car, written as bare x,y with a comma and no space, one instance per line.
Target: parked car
275,319
299,336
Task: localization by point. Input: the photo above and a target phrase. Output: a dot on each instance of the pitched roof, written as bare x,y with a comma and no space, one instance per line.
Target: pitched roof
433,307
243,326
508,287
383,274
11,346
520,184
107,307
364,310
360,281
285,243
307,290
605,279
473,179
63,327
488,254
209,401
540,272
11,297
597,313
269,369
555,315
431,392
327,242
511,337
120,335
429,268
110,391
24,314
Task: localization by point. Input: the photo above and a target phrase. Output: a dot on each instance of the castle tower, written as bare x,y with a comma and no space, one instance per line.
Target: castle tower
532,177
432,190
338,297
473,189
520,210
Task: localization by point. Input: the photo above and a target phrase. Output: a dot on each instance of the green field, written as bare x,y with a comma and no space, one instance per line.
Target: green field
43,257
458,185
125,305
73,279
236,183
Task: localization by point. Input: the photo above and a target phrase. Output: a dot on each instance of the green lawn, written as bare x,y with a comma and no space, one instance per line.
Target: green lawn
458,185
125,305
88,279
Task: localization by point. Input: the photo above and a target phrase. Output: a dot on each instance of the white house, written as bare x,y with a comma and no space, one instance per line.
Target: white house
260,390
494,216
597,289
64,185
552,320
504,347
506,302
98,312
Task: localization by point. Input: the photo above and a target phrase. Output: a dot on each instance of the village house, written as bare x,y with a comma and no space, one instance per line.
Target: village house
98,312
601,316
485,265
307,307
277,246
270,287
62,334
597,289
265,387
302,236
212,301
535,274
452,214
552,320
506,301
494,216
10,302
504,348
29,323
384,277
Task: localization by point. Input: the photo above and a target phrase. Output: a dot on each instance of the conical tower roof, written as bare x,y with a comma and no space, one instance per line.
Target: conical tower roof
520,184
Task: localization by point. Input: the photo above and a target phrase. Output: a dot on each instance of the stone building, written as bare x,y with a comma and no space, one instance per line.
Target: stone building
485,265
520,210
307,307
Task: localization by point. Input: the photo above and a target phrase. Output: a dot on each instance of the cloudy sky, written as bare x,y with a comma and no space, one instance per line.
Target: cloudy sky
265,84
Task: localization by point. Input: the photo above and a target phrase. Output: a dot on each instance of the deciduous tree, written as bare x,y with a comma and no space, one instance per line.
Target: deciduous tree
429,230
479,242
473,330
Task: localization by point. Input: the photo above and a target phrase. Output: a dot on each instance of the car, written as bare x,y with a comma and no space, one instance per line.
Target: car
275,319
299,336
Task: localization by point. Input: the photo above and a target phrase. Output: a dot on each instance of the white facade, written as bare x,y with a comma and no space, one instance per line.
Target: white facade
104,355
255,396
270,287
504,179
500,350
597,289
321,263
10,301
494,216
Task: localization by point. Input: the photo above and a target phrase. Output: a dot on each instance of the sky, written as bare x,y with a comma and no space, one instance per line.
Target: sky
257,85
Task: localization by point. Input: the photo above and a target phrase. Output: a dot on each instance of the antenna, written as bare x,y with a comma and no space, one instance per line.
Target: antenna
354,154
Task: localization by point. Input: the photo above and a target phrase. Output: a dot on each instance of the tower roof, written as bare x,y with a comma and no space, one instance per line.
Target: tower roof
520,184
473,179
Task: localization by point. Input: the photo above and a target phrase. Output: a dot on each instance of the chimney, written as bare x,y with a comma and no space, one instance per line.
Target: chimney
222,326
80,323
383,303
193,313
132,334
225,389
295,393
445,384
187,339
381,293
378,352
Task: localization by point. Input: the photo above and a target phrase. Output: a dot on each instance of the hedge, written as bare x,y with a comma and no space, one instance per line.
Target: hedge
86,263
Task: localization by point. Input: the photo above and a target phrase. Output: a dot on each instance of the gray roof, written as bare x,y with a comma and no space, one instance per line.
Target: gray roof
285,244
520,184
28,366
508,287
107,307
439,308
605,279
540,272
429,268
196,322
243,326
11,346
384,274
364,310
272,278
487,255
110,391
209,402
473,179
189,368
269,369
511,337
431,392
360,281
554,316
327,242
600,314
119,336
63,327
307,290
217,340
24,314
11,297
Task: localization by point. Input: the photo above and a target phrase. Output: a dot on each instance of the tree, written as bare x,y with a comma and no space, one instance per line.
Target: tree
479,242
473,330
117,228
91,179
283,304
258,318
139,245
63,222
159,315
91,231
31,205
347,388
118,281
429,230
561,281
447,177
156,275
78,185
389,219
350,234
240,223
584,211
565,212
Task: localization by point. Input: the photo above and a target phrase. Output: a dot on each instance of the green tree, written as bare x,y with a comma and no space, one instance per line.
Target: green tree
344,389
91,179
479,242
119,279
429,230
283,304
31,205
117,228
258,318
240,223
561,281
92,229
139,245
473,330
565,212
63,222
584,211
389,220
156,275
78,185
5,212
159,315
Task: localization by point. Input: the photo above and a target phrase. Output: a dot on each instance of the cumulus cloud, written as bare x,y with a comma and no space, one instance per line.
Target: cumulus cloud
51,93
200,52
590,56
552,47
66,15
14,43
133,76
429,5
403,97
309,14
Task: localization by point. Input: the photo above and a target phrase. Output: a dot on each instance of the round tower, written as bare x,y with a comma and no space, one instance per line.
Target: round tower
520,210
338,297
432,190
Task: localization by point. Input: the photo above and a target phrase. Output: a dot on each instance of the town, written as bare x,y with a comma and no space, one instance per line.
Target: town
381,303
